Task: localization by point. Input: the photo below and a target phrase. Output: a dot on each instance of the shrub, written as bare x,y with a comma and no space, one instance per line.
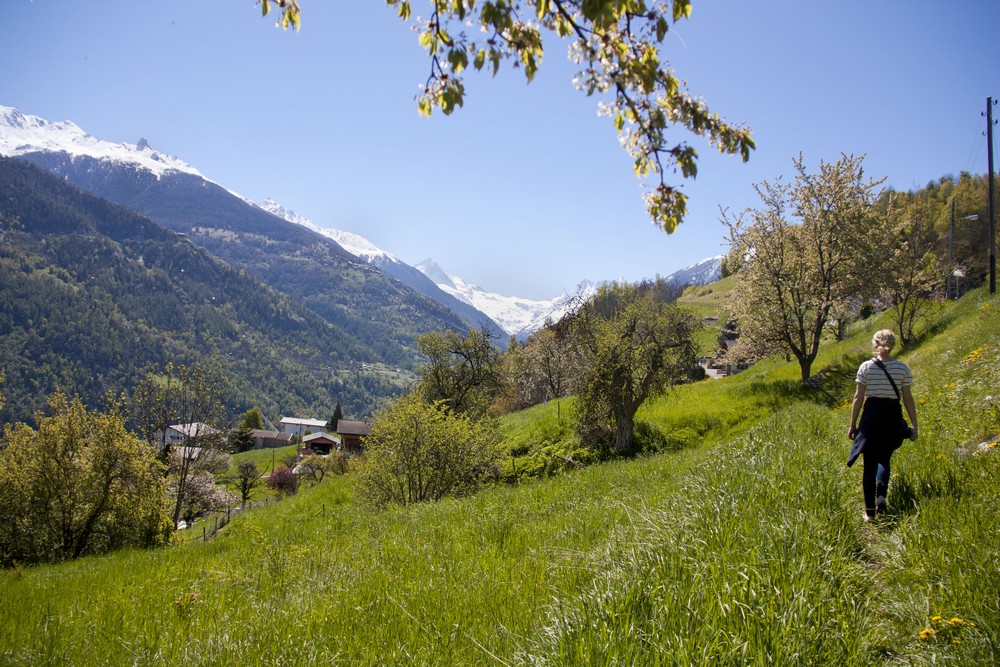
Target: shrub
81,484
418,451
284,481
316,467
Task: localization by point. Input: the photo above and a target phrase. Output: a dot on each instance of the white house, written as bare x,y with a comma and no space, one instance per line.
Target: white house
296,426
183,433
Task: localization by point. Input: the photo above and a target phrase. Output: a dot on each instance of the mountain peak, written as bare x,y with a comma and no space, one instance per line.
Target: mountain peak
355,244
430,268
22,134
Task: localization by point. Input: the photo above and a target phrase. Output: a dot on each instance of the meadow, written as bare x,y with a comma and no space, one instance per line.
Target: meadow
739,542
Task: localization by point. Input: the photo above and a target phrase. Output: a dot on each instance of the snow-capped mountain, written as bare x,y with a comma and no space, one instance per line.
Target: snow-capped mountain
372,320
386,262
513,315
521,317
24,134
700,273
516,316
137,176
355,244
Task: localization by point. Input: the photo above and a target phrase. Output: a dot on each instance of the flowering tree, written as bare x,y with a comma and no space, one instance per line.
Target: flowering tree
800,256
617,45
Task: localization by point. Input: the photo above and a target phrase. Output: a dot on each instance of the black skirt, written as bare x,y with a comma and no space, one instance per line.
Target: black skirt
880,422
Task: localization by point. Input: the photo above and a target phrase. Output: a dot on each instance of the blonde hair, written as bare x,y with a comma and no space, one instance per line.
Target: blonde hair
883,341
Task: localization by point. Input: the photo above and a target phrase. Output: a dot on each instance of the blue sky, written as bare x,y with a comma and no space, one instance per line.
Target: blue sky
525,191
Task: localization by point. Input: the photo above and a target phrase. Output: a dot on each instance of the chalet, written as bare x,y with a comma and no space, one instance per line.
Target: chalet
187,434
321,443
353,434
296,426
269,439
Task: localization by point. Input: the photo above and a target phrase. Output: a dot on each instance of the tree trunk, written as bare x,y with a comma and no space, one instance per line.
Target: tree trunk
624,433
805,365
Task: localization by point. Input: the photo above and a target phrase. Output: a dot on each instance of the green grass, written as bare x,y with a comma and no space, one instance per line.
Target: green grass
709,303
266,459
742,544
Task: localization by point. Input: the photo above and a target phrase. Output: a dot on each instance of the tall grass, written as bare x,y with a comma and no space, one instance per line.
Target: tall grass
745,545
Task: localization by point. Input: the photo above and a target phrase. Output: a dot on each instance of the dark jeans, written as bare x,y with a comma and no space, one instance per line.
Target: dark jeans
875,478
879,422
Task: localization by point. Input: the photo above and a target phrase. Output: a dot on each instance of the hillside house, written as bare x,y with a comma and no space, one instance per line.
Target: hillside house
322,443
718,367
188,434
353,434
297,426
269,439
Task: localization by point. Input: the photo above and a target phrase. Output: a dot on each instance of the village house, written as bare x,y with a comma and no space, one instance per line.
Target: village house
297,426
187,434
269,439
353,434
321,443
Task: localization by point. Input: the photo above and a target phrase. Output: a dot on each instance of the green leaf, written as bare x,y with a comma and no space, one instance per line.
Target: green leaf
682,9
619,121
662,26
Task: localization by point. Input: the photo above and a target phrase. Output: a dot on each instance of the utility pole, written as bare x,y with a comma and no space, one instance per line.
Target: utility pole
993,219
951,243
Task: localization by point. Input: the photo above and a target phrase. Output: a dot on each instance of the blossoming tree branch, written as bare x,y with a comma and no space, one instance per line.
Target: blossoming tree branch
617,45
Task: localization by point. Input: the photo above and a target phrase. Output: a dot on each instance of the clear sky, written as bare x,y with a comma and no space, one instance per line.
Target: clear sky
525,191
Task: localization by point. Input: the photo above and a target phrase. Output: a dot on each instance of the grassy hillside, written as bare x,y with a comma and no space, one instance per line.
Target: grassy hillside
742,545
709,303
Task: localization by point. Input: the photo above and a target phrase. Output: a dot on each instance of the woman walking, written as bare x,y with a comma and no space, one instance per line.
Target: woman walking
882,383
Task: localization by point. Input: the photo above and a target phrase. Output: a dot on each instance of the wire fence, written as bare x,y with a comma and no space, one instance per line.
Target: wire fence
207,527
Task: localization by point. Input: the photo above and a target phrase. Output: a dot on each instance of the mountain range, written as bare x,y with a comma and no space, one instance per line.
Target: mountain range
371,305
39,140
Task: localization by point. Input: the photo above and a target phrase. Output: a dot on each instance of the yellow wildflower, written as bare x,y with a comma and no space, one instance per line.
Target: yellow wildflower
927,634
936,618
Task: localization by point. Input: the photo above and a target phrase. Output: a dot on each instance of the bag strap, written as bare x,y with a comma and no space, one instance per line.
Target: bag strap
878,362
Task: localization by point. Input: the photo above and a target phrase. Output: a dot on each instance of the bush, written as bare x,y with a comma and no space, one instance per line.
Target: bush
81,484
284,481
418,451
316,467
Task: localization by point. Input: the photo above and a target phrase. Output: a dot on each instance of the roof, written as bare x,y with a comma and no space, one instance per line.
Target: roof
348,427
193,430
295,421
313,437
272,435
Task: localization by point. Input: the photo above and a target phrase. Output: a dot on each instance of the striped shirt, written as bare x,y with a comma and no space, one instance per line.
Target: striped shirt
877,384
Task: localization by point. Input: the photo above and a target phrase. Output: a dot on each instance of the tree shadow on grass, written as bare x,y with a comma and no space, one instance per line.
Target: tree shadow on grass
830,387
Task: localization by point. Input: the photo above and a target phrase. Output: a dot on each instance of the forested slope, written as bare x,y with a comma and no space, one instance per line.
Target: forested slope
93,294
